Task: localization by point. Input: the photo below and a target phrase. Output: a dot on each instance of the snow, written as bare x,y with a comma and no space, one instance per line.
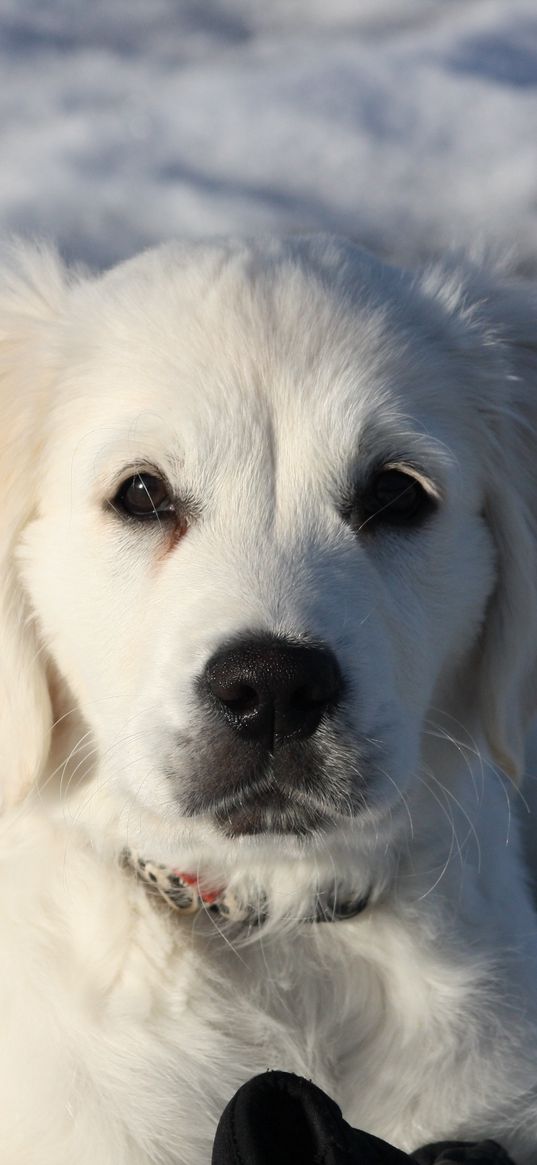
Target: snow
407,124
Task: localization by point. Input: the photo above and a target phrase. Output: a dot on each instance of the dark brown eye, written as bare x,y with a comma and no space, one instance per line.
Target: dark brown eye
395,498
144,496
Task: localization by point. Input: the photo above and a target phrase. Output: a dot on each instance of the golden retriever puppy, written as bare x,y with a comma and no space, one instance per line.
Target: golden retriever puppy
268,632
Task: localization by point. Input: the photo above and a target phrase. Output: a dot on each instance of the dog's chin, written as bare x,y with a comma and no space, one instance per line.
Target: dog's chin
260,818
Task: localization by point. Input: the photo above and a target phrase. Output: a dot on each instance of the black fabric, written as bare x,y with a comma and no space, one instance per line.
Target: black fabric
462,1153
281,1119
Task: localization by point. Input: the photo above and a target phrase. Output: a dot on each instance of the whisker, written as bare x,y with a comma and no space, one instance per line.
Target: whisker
453,842
472,830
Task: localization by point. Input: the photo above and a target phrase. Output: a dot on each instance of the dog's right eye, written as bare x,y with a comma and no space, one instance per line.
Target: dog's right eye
144,496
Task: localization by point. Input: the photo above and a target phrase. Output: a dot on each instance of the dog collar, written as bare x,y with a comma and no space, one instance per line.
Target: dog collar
184,894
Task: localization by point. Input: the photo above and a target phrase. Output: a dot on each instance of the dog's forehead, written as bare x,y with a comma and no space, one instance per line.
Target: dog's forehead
295,348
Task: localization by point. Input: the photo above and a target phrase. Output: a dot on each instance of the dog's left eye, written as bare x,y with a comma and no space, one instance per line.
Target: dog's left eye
393,497
144,496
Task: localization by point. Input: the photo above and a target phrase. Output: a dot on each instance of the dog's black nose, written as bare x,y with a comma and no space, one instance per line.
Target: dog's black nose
273,690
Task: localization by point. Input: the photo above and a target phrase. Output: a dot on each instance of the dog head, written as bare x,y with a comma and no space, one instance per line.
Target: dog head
264,506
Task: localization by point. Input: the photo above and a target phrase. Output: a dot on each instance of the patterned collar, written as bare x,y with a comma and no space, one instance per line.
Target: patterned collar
183,893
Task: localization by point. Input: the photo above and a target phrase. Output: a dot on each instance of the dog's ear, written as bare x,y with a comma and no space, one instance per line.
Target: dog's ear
508,663
509,659
494,332
505,317
32,292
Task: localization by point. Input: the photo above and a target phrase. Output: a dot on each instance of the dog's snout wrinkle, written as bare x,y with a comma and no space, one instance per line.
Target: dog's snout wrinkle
271,690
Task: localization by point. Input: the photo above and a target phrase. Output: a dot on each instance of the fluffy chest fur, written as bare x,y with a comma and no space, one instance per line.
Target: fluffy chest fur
128,1029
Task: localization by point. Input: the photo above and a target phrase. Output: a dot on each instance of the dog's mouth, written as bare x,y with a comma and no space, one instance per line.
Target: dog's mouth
270,801
299,790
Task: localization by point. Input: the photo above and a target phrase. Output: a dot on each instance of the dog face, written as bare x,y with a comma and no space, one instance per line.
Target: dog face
268,512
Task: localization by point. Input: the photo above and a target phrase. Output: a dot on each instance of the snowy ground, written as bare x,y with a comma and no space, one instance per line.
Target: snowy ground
408,124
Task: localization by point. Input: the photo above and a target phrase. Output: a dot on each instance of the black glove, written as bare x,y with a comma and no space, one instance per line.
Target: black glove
281,1119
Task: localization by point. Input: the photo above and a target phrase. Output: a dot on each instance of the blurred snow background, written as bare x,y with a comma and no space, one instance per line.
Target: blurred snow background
407,124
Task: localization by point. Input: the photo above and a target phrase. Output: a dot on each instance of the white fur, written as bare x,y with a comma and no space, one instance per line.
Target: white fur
261,378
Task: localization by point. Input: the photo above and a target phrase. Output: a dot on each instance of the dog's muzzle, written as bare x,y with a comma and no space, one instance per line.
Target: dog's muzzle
258,769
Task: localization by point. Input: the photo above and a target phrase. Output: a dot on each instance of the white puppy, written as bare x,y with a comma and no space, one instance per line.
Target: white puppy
268,618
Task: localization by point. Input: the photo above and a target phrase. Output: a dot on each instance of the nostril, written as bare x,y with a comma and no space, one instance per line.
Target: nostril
305,698
240,698
310,697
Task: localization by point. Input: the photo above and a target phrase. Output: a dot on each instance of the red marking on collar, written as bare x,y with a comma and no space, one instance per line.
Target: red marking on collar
207,896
